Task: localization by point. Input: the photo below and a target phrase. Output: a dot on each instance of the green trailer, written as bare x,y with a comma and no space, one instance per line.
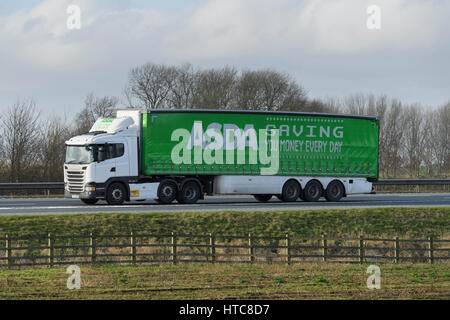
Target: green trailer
309,144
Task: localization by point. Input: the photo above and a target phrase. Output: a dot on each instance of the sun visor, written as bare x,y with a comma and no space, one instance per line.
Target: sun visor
112,125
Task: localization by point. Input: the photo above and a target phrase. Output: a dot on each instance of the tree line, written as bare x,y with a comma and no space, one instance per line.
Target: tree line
414,141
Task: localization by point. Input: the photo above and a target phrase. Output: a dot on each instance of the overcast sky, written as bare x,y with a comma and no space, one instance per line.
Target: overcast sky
324,44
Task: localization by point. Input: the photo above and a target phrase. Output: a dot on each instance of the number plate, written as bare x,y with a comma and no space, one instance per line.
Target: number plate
76,196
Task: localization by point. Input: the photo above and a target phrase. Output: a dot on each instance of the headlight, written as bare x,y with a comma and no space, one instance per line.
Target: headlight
90,188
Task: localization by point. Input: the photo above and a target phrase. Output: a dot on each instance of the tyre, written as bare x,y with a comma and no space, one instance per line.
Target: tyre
335,191
302,195
262,197
313,191
291,191
190,193
90,201
167,191
116,194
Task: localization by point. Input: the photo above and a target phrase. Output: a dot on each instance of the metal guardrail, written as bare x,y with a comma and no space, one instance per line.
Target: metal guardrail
32,186
412,182
60,185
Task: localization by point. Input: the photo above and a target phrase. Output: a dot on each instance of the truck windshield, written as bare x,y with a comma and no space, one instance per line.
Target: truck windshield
79,154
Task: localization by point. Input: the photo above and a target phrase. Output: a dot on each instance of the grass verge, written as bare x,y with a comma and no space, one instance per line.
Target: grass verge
405,222
205,281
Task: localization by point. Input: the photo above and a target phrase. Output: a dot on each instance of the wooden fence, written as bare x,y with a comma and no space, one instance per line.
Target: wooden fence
52,250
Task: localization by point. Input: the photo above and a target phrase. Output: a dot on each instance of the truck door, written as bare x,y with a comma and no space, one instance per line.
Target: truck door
122,160
105,168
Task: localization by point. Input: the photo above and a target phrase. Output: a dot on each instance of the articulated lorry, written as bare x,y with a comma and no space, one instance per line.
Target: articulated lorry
185,155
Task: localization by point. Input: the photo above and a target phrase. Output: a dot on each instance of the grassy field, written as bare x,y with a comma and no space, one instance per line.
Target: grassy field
202,281
259,281
404,222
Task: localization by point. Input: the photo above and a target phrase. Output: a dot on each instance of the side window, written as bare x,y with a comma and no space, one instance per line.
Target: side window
113,150
120,149
110,151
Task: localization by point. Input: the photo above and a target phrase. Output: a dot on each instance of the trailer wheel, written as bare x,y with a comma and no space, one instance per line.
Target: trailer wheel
335,191
116,194
291,191
302,195
167,191
89,201
313,191
262,197
190,193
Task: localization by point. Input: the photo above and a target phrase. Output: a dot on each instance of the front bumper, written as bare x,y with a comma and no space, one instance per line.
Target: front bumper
98,193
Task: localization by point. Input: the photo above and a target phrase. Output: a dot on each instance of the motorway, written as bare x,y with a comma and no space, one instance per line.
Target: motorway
220,203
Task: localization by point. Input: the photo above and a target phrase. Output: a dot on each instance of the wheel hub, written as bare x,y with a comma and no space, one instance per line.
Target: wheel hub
117,194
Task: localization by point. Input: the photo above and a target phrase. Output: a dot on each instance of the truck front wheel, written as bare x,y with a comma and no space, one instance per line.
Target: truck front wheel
116,194
190,193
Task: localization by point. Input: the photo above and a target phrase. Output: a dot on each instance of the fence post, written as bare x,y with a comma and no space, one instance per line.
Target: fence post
250,248
361,249
92,247
288,249
51,249
397,249
212,247
324,248
133,247
430,250
8,250
174,248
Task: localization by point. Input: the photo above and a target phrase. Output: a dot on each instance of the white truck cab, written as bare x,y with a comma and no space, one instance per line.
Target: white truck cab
108,151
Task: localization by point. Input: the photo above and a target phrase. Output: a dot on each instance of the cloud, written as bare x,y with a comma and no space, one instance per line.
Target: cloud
321,40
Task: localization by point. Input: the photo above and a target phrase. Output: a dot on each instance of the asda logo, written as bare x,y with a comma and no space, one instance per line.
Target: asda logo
227,144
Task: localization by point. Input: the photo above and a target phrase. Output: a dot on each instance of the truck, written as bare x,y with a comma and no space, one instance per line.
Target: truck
185,155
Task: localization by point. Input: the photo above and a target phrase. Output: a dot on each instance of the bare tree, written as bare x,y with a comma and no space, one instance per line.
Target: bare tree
440,138
52,148
150,85
414,138
269,90
214,88
183,88
21,133
94,108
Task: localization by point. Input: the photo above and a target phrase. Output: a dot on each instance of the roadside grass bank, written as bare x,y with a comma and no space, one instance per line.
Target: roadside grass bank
402,222
206,281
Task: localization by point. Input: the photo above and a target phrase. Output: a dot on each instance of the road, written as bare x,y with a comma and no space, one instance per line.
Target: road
230,203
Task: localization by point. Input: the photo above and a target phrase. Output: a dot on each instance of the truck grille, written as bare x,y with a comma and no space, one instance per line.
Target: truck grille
75,181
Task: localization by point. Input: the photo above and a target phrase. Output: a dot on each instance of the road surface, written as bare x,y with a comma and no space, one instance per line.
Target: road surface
221,203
